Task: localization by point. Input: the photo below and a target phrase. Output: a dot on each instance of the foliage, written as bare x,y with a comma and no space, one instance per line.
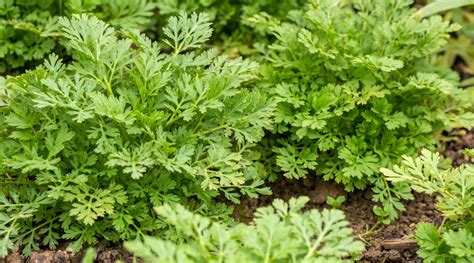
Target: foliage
454,189
89,256
459,51
228,15
89,147
438,6
356,91
450,246
28,29
469,152
113,124
335,202
281,233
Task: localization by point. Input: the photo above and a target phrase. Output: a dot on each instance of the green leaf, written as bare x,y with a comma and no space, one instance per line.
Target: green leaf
461,243
185,32
439,6
280,232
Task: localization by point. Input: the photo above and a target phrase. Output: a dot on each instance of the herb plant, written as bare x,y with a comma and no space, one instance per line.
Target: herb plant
454,240
459,52
356,91
28,29
281,233
335,202
90,146
233,36
228,14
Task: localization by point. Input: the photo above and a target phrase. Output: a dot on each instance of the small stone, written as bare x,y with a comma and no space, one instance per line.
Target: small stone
61,257
41,257
14,257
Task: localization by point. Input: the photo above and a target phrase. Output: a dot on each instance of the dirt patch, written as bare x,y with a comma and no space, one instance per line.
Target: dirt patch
422,209
103,255
460,139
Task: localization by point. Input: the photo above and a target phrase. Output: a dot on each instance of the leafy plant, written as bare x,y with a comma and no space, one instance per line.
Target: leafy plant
335,202
459,51
89,147
454,240
356,91
450,246
29,29
469,152
281,233
89,256
439,6
227,14
229,17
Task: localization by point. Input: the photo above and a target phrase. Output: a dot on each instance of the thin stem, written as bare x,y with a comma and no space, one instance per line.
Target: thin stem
440,228
269,245
316,244
39,226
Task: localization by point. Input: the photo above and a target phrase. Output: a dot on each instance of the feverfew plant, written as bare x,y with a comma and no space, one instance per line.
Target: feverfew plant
453,241
90,146
356,91
281,233
29,29
229,18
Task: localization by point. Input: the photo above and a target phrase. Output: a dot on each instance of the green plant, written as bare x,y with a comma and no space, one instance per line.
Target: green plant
28,29
89,256
228,14
356,91
438,6
449,246
229,17
469,152
454,240
89,147
281,233
459,52
335,202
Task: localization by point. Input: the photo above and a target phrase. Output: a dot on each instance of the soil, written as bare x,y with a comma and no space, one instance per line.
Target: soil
384,243
104,255
461,139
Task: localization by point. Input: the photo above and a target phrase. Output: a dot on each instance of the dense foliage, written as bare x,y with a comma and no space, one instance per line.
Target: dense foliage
461,45
356,91
229,16
89,147
282,233
28,29
114,123
454,188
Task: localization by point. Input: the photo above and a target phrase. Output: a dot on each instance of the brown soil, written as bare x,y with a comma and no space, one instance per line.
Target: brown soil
384,243
104,255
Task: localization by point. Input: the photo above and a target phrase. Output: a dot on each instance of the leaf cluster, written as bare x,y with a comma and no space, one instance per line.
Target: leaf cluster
454,190
356,90
29,29
90,146
461,45
280,233
93,140
228,16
